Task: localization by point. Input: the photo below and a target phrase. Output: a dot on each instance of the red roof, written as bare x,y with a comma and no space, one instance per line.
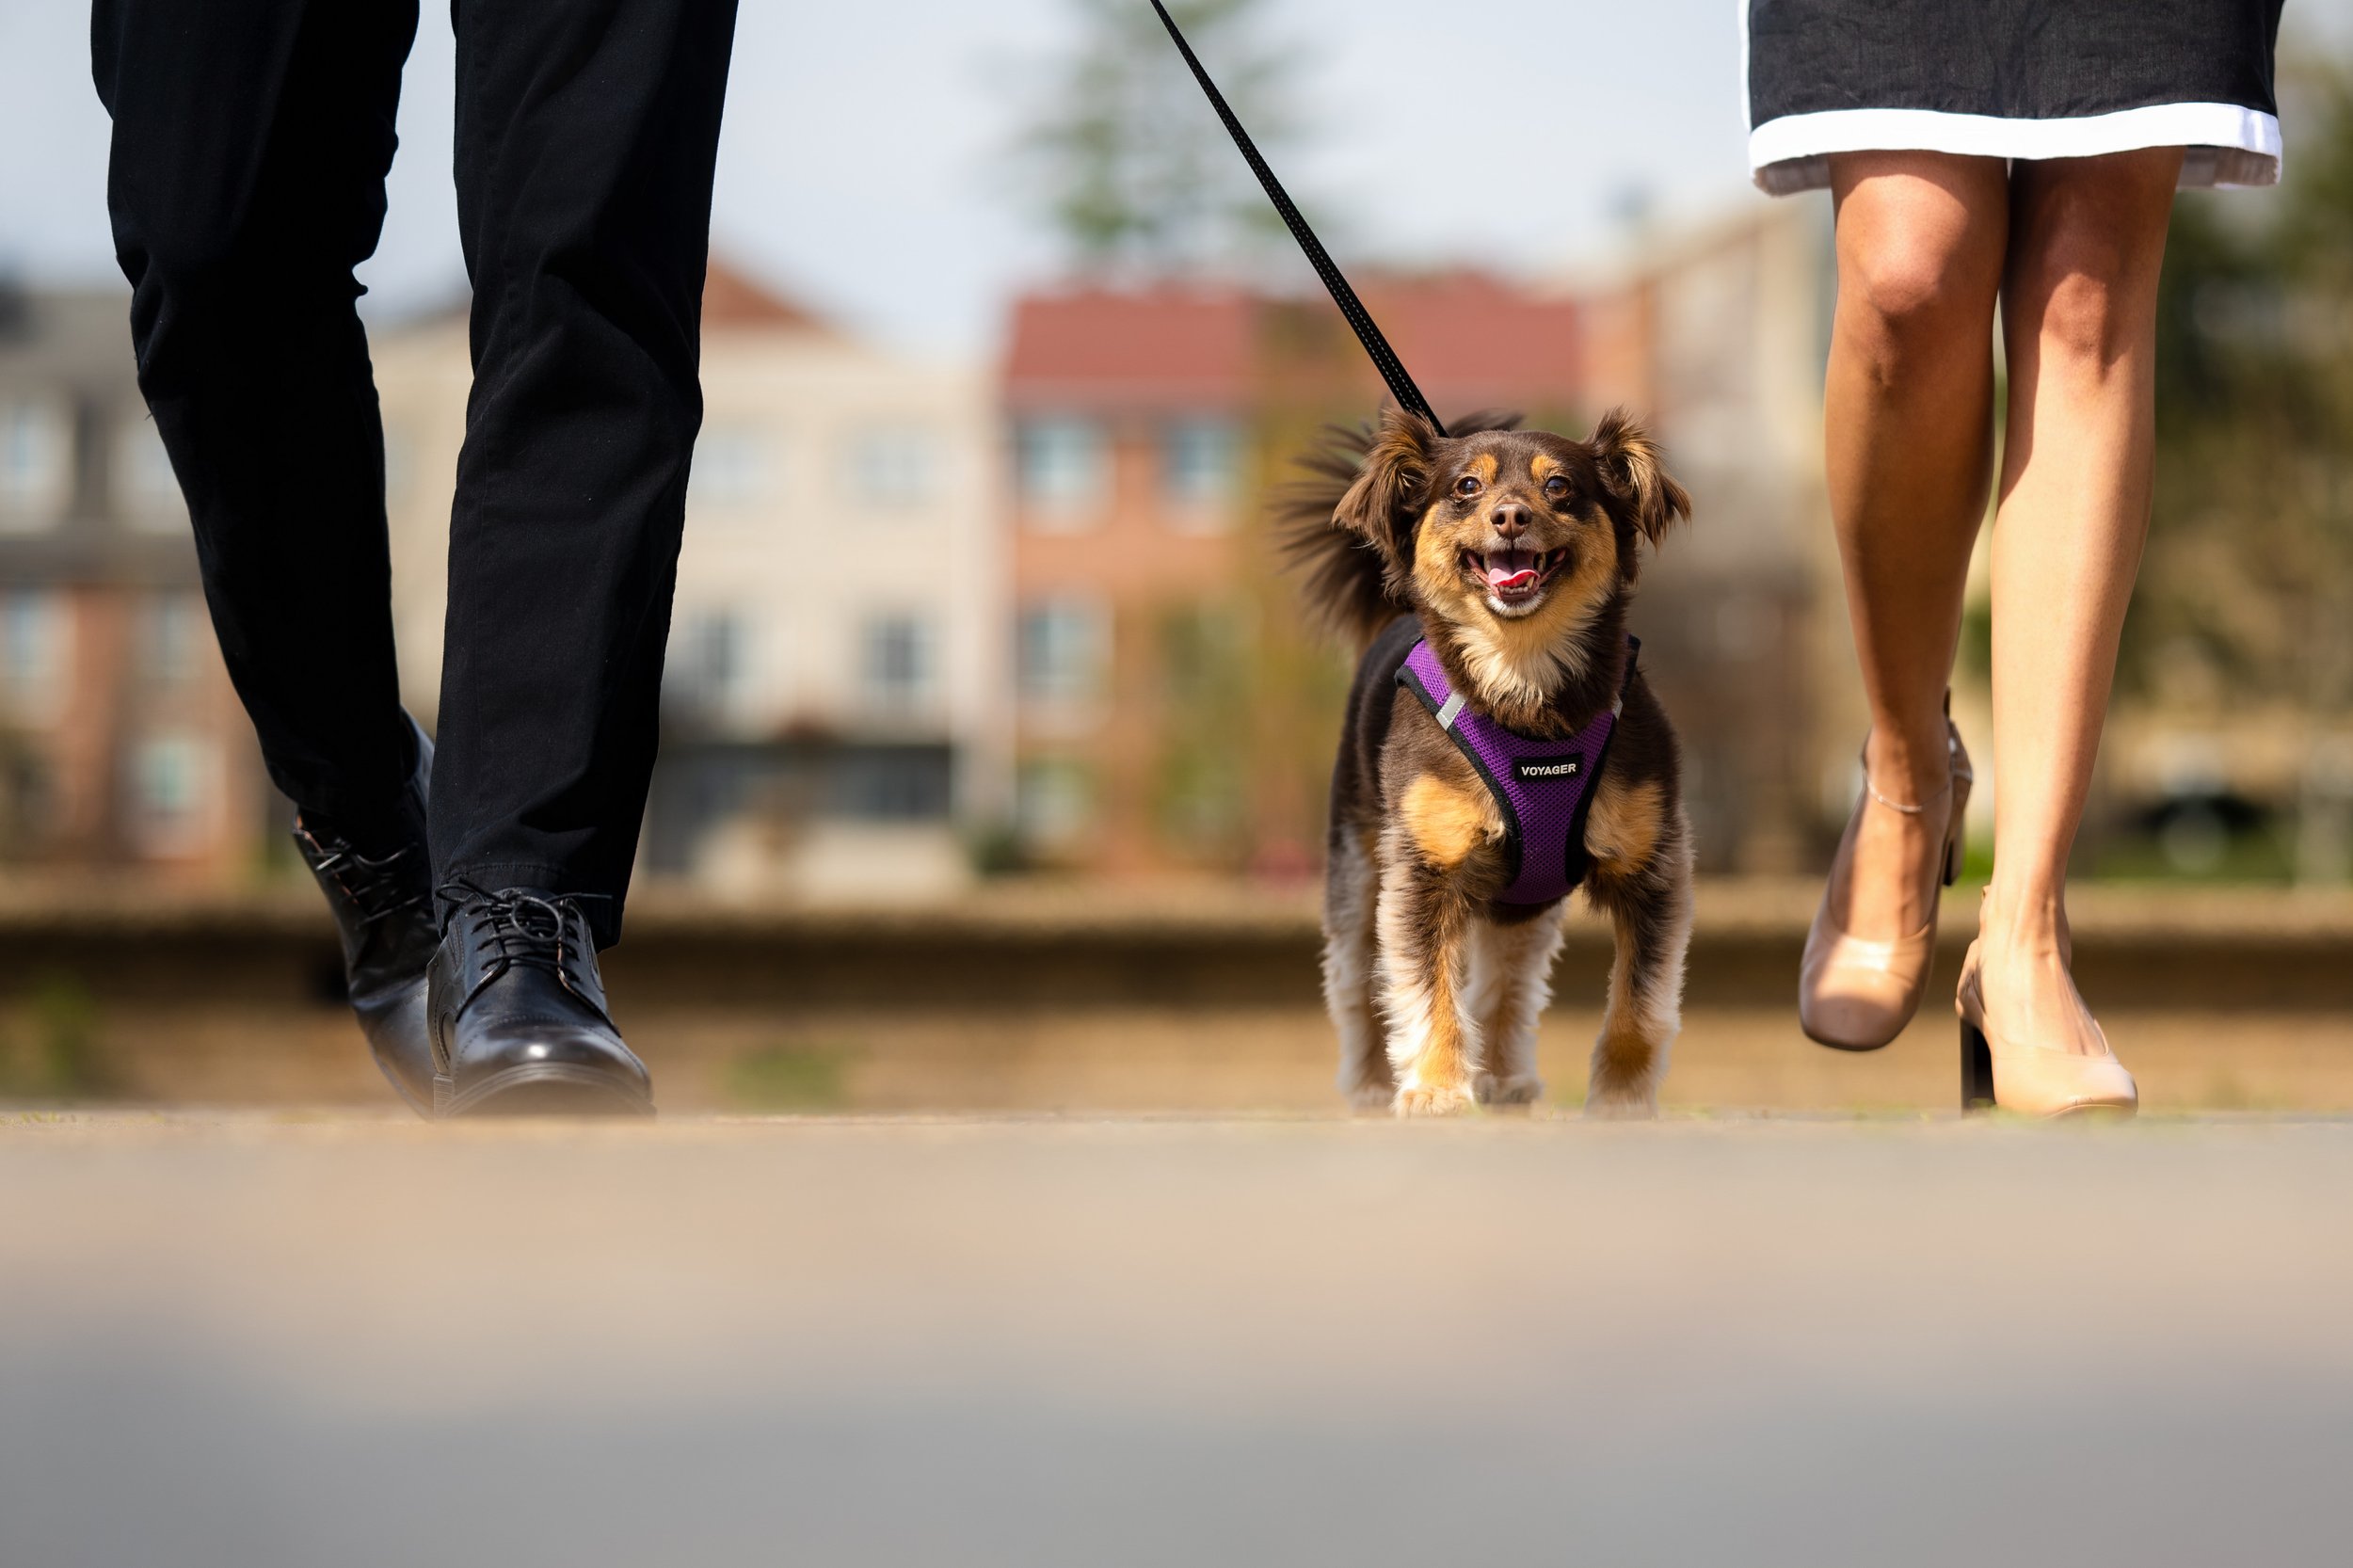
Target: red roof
732,299
1470,340
1164,344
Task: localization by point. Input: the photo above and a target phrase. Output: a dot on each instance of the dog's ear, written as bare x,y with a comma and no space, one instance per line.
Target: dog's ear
1630,467
1379,504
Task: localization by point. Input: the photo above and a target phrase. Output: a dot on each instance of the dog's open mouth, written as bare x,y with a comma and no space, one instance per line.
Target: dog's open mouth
1514,576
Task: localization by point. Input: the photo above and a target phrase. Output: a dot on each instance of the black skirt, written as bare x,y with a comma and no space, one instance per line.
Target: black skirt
2012,79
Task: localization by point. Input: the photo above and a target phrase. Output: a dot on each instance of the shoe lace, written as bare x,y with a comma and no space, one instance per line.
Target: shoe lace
378,889
516,929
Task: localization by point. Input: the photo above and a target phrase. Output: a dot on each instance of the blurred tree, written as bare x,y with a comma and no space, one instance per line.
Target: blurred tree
1129,162
2247,593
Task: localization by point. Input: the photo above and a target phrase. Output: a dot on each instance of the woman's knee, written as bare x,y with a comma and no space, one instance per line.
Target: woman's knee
1907,284
2089,247
2084,312
1919,258
1908,296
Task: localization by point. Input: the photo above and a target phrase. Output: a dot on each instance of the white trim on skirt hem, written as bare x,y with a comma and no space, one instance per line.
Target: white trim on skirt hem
2228,144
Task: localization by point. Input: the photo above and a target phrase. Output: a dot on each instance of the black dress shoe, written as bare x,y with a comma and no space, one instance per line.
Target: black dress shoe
518,1013
383,909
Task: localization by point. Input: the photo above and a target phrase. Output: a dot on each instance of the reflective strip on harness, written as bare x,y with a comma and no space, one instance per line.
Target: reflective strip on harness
1543,788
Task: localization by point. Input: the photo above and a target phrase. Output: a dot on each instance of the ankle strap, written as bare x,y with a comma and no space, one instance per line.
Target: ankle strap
1955,767
1912,810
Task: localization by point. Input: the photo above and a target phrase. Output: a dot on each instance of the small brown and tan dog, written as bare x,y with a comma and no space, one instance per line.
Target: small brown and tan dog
1513,554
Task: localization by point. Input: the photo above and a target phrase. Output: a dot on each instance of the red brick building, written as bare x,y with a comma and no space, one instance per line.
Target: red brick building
1169,712
122,749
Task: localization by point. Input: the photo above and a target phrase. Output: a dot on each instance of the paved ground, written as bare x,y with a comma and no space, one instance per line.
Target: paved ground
258,1341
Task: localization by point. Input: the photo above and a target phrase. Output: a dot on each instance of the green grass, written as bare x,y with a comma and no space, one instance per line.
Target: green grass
789,1077
2258,858
49,1051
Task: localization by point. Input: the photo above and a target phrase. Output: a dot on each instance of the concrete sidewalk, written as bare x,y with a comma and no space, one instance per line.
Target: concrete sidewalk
258,1341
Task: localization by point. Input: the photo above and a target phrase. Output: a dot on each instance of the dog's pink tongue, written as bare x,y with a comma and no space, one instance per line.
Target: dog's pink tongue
1509,569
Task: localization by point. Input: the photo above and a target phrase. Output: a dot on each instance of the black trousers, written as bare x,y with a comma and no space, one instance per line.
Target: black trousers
251,139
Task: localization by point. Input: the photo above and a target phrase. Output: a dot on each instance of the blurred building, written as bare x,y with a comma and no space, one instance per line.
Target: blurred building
121,744
914,606
1171,712
1134,471
833,704
1717,337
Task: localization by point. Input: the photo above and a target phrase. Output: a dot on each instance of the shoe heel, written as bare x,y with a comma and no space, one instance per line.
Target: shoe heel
1956,832
1957,819
1977,1069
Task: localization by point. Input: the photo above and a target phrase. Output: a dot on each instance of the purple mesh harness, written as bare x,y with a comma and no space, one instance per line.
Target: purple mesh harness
1543,787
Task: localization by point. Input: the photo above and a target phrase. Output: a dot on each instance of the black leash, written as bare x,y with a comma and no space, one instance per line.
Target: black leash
1383,358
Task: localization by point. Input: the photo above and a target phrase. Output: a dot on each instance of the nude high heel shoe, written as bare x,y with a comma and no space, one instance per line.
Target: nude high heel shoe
1857,993
2029,1078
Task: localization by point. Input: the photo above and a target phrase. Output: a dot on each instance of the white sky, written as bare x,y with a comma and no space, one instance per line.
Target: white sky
859,168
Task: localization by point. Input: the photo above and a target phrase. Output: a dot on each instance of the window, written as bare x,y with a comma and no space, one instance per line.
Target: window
1063,470
36,464
29,797
703,674
1203,650
1065,653
32,646
1200,471
735,465
174,782
1053,802
897,663
894,783
892,467
147,492
172,633
1198,801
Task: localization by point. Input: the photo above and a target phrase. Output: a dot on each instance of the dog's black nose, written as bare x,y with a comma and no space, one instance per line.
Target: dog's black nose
1511,519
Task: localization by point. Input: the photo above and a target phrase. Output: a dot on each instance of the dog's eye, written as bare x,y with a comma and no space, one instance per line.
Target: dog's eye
1557,487
1467,485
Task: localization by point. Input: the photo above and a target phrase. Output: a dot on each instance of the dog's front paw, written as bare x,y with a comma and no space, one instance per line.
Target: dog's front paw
1622,1102
1519,1089
1426,1100
1371,1099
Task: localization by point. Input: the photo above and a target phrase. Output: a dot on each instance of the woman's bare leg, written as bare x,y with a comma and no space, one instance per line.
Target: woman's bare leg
2079,323
1909,408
